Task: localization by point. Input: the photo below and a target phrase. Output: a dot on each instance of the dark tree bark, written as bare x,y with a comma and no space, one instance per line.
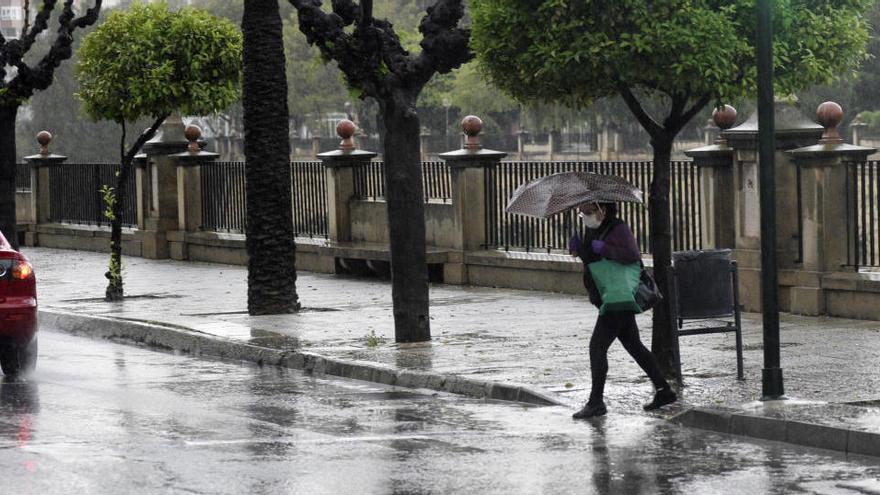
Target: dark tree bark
405,200
662,137
376,64
115,290
21,86
7,173
270,239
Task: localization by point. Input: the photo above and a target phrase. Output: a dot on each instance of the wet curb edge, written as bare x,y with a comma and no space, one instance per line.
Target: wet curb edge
735,422
199,343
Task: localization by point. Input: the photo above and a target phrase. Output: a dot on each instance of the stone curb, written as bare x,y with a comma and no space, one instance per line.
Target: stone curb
734,422
198,343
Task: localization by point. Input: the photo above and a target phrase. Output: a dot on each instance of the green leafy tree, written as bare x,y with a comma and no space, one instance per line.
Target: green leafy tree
24,71
689,53
149,62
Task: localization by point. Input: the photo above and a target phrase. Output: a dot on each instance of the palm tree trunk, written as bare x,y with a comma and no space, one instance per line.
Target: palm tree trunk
270,241
406,219
8,221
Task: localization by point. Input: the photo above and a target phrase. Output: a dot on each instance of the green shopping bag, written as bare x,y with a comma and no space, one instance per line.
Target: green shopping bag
617,283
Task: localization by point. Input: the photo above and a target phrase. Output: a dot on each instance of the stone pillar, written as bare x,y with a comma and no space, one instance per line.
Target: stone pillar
160,177
468,166
716,184
423,144
316,145
143,193
40,186
339,169
521,138
858,128
827,223
793,130
710,132
189,192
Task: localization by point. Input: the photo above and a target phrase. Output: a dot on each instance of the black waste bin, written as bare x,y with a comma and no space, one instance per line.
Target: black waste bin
705,287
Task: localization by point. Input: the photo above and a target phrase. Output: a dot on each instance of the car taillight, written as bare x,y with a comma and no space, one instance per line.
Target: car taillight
22,270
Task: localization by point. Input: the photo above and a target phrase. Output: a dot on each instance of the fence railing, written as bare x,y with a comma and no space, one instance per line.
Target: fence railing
308,185
506,231
75,194
22,177
866,215
224,205
369,181
223,197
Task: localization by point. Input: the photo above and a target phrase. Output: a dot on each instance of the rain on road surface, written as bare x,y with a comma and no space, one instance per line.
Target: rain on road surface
101,417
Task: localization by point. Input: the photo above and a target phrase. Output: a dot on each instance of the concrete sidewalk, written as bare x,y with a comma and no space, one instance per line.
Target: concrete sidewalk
499,343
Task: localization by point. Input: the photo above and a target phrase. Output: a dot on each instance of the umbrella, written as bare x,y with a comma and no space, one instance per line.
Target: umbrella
552,194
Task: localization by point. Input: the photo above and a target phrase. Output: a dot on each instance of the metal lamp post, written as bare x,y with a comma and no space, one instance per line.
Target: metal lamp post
771,376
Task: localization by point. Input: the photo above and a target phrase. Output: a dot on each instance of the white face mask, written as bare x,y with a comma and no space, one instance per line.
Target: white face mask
591,221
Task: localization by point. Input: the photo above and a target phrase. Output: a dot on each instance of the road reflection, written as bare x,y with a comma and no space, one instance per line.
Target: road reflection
19,404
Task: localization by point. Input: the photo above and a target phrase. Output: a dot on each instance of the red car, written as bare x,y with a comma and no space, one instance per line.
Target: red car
18,311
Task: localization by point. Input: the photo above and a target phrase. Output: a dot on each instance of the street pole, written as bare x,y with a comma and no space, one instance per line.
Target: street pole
772,373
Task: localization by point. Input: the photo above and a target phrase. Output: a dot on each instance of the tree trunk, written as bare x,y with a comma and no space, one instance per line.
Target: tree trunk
8,221
661,247
270,241
115,290
406,219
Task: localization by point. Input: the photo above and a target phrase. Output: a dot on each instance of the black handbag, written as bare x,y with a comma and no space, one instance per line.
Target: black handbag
647,294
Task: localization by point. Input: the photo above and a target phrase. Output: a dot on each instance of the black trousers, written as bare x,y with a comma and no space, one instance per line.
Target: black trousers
622,326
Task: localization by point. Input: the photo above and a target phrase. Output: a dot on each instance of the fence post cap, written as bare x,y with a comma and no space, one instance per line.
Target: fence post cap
472,154
347,154
718,154
829,115
193,154
346,129
44,157
168,138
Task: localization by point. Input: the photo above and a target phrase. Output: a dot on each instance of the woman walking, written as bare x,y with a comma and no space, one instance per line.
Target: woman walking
608,237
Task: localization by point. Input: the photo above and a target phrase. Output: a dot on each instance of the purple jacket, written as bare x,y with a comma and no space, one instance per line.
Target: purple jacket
620,245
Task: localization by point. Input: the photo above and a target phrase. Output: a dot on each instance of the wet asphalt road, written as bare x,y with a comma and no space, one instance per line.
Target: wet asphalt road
100,417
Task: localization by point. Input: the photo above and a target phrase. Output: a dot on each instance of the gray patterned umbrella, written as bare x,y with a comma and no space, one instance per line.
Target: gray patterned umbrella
552,194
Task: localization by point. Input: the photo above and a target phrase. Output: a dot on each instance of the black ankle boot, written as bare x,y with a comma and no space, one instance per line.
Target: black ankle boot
662,397
591,411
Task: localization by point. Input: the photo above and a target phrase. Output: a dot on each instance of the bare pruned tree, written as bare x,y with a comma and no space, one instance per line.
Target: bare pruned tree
19,80
376,65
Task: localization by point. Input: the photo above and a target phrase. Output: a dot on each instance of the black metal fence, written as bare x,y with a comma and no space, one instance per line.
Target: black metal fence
223,197
23,177
75,194
506,231
309,188
369,181
224,205
866,221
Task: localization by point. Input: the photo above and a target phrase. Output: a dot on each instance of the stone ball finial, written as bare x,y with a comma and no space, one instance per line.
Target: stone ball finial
192,133
829,115
43,139
346,129
471,126
724,117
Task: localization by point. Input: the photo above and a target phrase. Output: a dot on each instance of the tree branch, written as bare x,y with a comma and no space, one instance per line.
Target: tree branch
694,110
30,79
444,44
16,49
649,124
145,136
27,17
